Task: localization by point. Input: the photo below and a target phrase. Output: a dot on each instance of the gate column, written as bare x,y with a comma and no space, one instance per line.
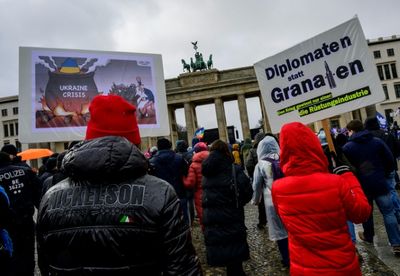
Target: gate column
244,119
190,120
219,110
172,125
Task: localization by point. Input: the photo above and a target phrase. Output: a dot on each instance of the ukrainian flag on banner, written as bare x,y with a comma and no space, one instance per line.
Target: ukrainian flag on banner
70,66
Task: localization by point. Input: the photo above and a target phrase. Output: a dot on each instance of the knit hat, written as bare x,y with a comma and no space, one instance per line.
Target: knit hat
10,149
200,146
163,144
111,115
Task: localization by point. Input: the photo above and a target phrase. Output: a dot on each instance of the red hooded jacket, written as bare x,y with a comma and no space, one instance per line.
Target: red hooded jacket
314,206
193,181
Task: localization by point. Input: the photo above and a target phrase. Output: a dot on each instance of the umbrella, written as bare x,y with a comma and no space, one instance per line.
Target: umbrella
34,154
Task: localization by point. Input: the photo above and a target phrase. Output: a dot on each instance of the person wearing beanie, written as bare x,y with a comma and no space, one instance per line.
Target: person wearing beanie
363,148
23,189
171,167
109,216
10,149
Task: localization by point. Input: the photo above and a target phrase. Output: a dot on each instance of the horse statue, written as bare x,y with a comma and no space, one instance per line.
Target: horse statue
192,65
185,66
210,63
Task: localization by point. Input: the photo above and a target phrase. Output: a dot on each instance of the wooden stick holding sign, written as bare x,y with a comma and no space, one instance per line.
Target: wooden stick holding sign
325,125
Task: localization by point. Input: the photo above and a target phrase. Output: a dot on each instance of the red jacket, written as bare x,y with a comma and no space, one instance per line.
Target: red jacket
314,206
193,181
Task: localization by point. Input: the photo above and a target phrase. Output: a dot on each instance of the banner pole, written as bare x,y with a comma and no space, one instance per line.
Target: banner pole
325,125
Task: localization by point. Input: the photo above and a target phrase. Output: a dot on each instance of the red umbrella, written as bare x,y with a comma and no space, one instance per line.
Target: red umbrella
34,154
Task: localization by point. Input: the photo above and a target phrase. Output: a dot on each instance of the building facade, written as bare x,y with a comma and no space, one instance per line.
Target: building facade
386,53
9,121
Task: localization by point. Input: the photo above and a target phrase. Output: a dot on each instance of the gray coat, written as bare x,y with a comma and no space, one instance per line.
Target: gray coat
262,184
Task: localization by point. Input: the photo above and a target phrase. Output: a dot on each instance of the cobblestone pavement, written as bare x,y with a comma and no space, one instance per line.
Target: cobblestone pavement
264,254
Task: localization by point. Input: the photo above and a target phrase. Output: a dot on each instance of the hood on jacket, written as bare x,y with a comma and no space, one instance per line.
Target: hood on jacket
103,159
165,156
301,151
372,123
267,147
361,136
181,146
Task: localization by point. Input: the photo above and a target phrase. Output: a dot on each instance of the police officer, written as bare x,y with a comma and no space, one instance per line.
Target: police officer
23,189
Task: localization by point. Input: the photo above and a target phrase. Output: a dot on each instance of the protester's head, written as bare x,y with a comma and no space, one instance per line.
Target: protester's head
4,158
10,149
355,126
247,141
322,137
221,147
267,146
298,154
111,115
195,140
164,144
235,147
371,123
271,135
258,137
181,146
153,150
51,164
200,146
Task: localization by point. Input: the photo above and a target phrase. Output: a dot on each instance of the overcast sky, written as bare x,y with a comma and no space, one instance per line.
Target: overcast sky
238,33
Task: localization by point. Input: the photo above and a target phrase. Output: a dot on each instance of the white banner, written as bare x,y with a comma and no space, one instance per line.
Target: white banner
57,86
325,76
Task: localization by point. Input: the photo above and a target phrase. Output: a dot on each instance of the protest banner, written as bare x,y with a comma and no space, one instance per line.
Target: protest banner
327,75
57,86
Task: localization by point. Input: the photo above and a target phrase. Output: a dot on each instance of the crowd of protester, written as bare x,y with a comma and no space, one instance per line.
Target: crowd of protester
107,208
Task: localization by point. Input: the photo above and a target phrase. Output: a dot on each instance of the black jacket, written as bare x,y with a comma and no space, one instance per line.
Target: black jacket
23,189
109,217
171,167
372,161
225,232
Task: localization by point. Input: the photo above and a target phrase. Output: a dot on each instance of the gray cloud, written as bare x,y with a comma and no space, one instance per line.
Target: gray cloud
237,33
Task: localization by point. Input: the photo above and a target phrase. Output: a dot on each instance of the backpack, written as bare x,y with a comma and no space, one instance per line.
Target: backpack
276,168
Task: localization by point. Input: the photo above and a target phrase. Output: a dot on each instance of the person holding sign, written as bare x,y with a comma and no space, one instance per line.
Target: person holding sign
314,206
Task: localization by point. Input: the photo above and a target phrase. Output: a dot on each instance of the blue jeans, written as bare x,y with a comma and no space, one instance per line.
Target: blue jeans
386,208
352,231
391,183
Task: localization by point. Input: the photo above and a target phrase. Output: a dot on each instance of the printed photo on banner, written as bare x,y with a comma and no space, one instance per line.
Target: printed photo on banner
325,76
60,84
